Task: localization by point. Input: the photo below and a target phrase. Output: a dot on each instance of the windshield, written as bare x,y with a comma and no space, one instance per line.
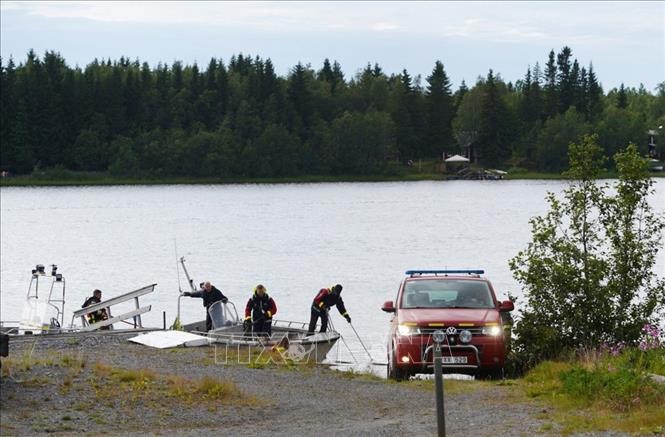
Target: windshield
447,294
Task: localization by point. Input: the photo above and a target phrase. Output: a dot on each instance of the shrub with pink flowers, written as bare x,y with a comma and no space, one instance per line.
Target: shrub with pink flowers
651,338
613,349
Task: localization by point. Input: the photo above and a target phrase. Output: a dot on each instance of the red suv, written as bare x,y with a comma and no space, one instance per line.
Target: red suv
460,303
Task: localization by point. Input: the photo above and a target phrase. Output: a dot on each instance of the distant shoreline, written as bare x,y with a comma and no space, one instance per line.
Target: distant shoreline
102,180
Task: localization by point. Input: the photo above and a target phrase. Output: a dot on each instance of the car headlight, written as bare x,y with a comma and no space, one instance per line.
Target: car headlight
465,336
493,331
407,330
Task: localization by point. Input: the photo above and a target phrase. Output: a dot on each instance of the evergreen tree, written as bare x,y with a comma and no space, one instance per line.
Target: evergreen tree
575,83
211,75
493,143
8,115
195,83
337,78
300,99
594,94
133,99
530,105
222,82
551,88
565,81
536,93
113,105
622,98
439,105
326,73
581,97
332,74
459,95
177,76
376,70
163,97
403,110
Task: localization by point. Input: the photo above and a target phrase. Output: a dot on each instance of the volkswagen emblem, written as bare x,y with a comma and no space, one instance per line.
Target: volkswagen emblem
451,330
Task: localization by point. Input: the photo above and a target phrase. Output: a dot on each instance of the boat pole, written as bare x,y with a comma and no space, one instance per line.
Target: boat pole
342,337
361,342
177,269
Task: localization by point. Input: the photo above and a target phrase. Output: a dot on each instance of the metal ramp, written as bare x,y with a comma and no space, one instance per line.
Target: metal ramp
135,314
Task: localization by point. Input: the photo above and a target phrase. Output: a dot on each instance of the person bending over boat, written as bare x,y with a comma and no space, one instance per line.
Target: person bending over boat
210,294
326,298
99,315
259,312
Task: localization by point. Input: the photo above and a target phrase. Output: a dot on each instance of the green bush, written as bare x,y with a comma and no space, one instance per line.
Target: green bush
594,252
599,380
620,382
650,361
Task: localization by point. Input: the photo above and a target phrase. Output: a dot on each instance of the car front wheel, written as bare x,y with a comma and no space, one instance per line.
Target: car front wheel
394,372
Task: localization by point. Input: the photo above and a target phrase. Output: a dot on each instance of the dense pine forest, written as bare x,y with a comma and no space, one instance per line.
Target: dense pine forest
240,119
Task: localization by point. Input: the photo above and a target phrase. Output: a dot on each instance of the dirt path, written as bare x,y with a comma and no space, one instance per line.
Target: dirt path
57,390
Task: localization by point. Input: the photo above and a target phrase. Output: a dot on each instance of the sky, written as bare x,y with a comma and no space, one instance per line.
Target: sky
625,41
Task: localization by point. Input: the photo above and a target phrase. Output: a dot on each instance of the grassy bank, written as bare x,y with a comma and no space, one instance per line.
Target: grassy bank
69,178
595,391
418,171
102,179
602,392
24,181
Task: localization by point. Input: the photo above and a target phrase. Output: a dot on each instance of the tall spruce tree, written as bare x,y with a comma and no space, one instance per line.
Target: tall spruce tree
582,97
439,106
594,94
565,81
622,97
530,105
459,94
7,106
325,73
575,83
492,144
222,81
405,130
551,88
300,99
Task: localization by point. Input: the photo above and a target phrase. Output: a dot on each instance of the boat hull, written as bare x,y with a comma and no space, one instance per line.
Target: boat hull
289,342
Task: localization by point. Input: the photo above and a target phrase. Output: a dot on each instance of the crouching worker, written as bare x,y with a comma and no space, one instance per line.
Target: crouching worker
326,298
259,312
99,315
210,294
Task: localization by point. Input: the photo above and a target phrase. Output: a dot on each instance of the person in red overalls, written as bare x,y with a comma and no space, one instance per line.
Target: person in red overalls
259,311
326,298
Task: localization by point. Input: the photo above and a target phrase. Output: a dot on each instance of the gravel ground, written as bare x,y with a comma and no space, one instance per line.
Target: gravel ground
47,399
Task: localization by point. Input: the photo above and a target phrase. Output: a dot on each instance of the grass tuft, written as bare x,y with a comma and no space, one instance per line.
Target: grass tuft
217,389
599,391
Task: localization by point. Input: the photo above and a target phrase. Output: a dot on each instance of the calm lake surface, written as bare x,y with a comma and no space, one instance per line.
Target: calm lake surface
293,238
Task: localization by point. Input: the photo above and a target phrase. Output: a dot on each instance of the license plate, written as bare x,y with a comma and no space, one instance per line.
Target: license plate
453,360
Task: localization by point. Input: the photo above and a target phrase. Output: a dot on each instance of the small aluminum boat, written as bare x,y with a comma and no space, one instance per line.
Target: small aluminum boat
289,339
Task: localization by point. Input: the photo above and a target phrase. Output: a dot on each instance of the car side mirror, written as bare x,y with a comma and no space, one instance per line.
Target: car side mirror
506,306
388,306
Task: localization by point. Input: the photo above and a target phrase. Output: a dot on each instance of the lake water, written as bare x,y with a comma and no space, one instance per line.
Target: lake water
293,238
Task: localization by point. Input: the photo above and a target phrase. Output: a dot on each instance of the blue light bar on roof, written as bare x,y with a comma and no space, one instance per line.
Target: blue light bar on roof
444,272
